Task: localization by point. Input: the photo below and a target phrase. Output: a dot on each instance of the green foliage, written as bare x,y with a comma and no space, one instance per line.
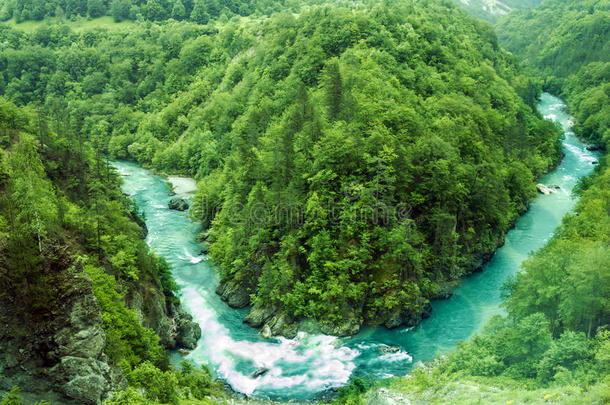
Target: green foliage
62,213
158,385
566,44
352,162
128,343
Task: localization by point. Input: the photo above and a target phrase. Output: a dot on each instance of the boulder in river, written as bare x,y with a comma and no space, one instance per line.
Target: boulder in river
543,189
595,162
592,148
266,332
385,349
178,204
259,372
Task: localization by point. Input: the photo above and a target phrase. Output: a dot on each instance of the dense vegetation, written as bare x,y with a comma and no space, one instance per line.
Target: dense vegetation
389,149
353,163
198,11
566,45
492,10
63,218
554,343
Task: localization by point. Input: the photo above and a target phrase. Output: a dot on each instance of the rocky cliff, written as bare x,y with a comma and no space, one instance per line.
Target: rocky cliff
58,354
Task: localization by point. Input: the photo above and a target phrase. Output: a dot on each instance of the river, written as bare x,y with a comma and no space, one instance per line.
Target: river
303,367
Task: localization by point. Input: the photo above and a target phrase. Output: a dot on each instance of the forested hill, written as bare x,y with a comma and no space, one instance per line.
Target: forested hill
396,138
553,345
85,307
567,45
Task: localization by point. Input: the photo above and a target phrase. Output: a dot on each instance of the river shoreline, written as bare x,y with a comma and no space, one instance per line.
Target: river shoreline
301,368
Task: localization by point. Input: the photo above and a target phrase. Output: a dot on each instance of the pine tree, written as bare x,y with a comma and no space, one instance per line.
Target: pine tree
178,12
334,89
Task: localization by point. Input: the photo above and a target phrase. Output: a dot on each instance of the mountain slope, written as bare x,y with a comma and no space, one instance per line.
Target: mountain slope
567,45
354,162
492,10
83,301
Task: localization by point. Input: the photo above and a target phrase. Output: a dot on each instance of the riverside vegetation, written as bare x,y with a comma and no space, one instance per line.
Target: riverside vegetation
406,123
554,343
403,136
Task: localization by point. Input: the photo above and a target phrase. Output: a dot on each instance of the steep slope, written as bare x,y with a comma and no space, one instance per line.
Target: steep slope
69,253
567,45
354,162
554,345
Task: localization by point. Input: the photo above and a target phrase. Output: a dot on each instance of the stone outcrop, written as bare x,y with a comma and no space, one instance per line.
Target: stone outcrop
272,321
236,294
61,357
178,204
168,319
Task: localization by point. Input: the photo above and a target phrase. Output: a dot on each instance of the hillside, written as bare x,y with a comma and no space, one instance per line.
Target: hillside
567,46
553,345
492,10
354,162
389,149
85,307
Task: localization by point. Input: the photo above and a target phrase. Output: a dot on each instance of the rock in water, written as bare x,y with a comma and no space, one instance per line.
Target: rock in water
266,332
259,372
544,189
178,204
389,349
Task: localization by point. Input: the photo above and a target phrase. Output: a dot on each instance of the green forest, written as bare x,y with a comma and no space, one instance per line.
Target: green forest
354,161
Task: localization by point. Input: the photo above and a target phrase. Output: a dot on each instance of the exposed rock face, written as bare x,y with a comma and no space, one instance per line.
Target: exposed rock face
174,326
87,380
236,294
349,327
273,322
179,204
59,356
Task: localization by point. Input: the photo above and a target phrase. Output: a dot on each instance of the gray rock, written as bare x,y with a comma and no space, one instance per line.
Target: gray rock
179,204
385,349
282,324
258,315
348,327
86,380
544,189
83,335
259,372
266,332
233,293
189,332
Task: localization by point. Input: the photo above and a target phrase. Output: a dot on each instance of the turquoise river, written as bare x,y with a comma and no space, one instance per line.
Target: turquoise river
303,367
